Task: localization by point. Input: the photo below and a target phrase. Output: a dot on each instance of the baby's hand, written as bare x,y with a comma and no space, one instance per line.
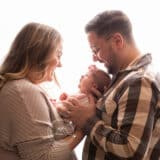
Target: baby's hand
63,96
92,67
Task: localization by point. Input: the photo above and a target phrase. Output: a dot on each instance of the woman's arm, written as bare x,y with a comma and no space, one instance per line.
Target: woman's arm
32,129
74,139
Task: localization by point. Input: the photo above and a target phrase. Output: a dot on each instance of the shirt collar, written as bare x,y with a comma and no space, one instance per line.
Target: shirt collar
139,62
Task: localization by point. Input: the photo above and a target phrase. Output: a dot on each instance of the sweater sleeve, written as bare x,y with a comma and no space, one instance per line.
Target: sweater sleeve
31,130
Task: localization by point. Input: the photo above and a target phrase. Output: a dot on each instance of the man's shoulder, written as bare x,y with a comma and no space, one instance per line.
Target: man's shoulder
138,79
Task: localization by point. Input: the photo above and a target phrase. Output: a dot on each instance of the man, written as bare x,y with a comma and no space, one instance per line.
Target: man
126,122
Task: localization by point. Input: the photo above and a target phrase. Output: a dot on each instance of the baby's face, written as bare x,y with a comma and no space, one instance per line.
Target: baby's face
85,83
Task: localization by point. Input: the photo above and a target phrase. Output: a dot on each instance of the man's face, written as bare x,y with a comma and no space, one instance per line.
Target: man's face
104,51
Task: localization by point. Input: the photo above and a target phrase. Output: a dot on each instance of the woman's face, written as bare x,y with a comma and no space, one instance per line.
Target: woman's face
54,63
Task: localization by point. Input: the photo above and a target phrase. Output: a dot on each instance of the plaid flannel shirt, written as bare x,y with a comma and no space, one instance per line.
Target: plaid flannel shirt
127,125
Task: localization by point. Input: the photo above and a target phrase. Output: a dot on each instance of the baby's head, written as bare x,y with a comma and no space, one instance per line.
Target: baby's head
94,78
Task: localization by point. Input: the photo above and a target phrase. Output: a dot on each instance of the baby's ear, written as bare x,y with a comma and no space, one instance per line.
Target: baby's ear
94,85
96,92
105,89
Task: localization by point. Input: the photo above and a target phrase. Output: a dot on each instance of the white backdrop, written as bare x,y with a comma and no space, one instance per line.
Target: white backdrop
70,17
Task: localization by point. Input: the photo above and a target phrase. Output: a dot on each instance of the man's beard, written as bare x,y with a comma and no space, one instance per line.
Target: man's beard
112,63
111,69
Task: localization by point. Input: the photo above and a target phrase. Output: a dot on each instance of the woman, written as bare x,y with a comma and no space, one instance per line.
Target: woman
26,114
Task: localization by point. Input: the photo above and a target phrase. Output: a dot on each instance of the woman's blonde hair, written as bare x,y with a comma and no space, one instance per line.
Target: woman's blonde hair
31,50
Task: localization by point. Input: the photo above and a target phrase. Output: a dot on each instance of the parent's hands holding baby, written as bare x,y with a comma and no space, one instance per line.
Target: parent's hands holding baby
72,109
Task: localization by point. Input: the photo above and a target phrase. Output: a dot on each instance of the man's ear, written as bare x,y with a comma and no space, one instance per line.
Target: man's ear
118,40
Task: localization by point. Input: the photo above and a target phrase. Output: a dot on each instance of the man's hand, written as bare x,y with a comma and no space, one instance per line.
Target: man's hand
73,110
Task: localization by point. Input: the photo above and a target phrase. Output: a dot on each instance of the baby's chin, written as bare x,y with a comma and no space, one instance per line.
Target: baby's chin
84,91
80,88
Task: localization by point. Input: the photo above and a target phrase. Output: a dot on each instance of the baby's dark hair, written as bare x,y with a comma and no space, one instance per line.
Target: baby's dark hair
101,78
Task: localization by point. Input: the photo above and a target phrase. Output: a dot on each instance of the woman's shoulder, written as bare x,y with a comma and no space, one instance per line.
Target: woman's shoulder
19,86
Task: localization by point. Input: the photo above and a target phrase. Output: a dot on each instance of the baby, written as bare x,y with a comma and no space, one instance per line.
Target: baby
95,82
